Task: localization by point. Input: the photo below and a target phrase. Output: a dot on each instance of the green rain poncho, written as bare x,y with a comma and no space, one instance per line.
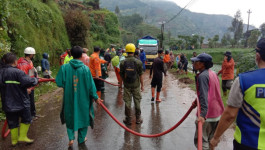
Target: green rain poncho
79,91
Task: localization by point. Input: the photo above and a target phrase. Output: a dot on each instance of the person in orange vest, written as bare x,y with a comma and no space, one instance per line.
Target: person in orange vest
166,62
227,72
95,68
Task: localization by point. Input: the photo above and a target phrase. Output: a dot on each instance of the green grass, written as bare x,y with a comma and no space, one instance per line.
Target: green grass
218,53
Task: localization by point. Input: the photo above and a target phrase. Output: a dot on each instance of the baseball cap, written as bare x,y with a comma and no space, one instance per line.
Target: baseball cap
261,45
203,57
227,53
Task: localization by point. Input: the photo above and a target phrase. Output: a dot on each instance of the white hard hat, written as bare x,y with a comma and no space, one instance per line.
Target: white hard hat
29,50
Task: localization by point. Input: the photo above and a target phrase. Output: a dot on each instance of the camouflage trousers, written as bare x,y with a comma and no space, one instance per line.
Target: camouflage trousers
128,94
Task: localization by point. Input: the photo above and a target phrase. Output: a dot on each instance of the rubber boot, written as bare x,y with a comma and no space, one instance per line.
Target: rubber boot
153,94
23,131
139,120
128,119
157,97
14,136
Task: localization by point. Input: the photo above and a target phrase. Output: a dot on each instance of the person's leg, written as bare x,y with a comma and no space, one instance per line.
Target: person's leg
127,97
224,87
98,87
119,78
205,141
71,136
153,87
24,126
13,124
137,101
159,86
82,135
165,69
32,104
117,74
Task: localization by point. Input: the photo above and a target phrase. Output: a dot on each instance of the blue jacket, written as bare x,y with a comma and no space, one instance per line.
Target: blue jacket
14,84
45,65
142,57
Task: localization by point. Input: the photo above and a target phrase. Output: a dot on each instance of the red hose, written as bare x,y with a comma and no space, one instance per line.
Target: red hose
199,144
45,80
151,135
106,81
4,132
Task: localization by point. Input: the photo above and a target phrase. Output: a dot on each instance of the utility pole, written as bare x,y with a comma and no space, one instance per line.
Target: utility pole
247,33
162,34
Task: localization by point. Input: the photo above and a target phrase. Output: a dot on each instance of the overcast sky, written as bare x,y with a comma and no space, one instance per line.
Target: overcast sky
229,7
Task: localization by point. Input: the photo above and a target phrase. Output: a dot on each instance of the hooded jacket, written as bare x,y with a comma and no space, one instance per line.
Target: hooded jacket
14,84
79,91
45,65
227,70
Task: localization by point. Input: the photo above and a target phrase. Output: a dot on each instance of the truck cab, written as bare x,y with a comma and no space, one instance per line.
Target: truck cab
150,46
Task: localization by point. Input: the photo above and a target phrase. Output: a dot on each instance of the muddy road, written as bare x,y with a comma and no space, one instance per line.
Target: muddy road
49,134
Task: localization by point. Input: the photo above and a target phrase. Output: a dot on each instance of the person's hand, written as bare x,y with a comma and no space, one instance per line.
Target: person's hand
97,76
142,88
98,101
214,142
201,119
29,91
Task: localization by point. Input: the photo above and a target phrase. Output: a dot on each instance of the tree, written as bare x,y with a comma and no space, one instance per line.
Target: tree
215,40
254,37
237,27
201,41
224,40
117,10
211,43
262,30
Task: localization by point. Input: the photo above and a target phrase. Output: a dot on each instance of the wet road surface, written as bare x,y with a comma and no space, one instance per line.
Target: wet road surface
49,134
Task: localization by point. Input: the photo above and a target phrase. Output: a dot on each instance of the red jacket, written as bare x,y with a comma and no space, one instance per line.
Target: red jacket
227,70
26,66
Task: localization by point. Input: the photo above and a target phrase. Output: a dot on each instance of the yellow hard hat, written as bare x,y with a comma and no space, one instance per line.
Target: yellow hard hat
130,47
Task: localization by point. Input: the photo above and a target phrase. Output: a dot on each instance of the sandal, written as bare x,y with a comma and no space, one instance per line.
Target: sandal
71,143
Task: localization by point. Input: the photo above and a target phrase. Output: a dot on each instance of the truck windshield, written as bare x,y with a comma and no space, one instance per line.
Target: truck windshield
150,50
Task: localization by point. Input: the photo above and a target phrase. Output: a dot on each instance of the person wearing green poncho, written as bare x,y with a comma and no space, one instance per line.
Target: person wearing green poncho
79,91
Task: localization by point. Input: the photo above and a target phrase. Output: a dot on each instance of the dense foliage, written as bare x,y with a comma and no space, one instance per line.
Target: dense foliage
36,24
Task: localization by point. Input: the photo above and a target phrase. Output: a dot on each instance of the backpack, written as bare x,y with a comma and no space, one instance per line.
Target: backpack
130,71
115,61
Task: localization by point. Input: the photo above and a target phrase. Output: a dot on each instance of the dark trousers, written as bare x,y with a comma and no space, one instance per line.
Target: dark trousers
157,82
238,146
13,118
32,104
98,84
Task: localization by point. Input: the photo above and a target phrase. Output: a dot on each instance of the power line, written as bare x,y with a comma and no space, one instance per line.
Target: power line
163,23
178,12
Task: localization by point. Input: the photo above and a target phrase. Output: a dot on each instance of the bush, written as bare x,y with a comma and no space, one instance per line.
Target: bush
246,63
36,24
77,26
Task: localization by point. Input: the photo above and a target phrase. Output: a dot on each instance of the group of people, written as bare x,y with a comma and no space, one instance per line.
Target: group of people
245,102
81,78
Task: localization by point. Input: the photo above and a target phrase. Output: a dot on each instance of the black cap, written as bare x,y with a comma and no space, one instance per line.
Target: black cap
261,44
203,57
261,48
227,53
